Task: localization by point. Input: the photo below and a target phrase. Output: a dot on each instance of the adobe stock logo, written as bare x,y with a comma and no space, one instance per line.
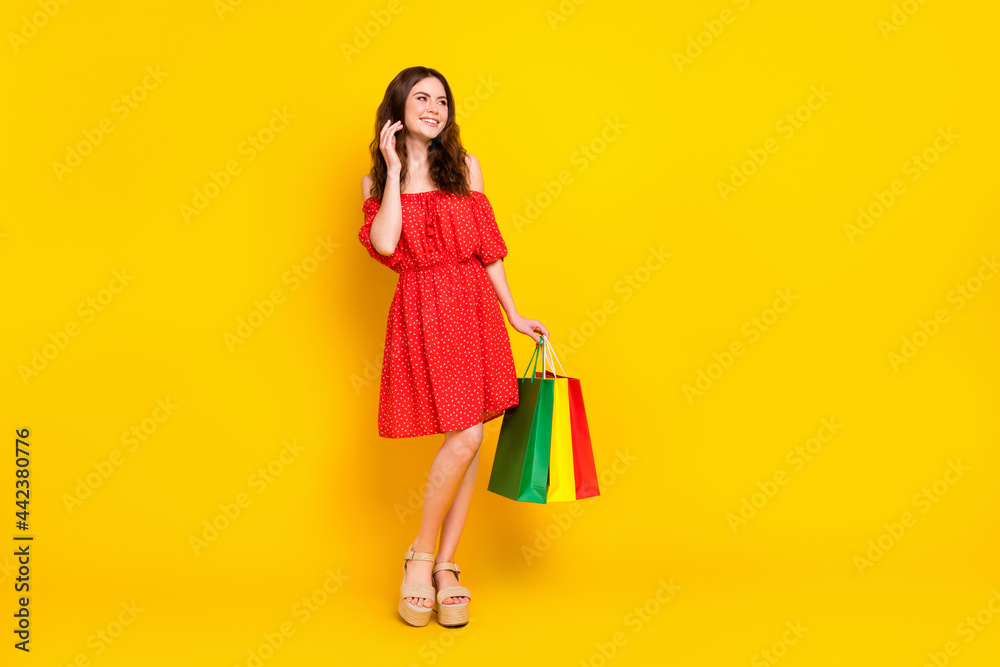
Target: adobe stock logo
628,286
102,639
103,468
40,19
922,500
779,649
696,45
88,309
563,521
363,37
249,148
796,457
790,123
899,17
229,511
581,158
753,329
968,629
914,167
122,106
962,294
637,618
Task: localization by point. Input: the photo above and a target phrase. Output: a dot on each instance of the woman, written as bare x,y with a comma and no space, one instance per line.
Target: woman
447,366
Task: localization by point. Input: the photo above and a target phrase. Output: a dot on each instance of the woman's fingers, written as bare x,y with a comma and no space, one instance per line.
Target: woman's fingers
390,129
387,132
387,136
387,141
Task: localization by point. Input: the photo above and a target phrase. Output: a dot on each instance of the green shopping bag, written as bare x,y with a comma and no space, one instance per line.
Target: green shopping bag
521,465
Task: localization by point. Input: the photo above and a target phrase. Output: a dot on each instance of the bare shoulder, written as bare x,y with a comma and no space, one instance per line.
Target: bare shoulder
475,173
366,186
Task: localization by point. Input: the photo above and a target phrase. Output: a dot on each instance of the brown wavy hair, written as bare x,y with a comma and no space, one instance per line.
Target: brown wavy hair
445,154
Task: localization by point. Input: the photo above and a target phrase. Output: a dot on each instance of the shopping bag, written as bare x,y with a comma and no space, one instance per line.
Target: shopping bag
584,469
521,464
562,479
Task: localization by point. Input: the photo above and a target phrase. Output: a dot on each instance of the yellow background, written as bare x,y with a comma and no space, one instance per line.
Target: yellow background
534,87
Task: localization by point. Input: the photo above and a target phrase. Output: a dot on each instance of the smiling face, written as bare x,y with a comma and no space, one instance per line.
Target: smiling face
426,108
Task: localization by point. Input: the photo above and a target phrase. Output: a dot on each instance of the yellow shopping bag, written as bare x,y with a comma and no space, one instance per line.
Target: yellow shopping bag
562,479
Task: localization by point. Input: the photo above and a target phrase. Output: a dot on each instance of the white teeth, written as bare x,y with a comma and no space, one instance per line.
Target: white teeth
429,121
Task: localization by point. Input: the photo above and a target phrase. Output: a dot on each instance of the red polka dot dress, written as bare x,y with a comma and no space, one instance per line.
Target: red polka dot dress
447,362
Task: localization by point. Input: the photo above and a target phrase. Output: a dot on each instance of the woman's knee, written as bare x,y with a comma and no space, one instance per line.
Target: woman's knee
465,442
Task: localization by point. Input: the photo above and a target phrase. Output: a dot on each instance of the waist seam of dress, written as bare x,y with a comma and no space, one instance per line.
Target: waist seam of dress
447,262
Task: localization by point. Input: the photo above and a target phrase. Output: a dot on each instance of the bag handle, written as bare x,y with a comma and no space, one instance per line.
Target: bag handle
534,357
547,356
550,354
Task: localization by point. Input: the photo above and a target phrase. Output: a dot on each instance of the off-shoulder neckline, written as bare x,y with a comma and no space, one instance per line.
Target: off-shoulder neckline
428,192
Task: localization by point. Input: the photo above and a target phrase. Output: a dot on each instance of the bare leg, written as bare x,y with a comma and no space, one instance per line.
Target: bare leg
447,473
451,531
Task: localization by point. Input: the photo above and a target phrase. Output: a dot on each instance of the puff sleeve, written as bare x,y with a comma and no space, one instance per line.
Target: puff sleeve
491,243
370,208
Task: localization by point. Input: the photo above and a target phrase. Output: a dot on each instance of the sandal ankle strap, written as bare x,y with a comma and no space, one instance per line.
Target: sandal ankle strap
418,555
446,566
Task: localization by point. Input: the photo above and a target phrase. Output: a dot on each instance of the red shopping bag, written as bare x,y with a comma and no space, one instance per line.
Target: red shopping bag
583,453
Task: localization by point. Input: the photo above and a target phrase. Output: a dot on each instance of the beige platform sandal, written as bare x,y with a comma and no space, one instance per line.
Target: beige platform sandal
451,615
413,614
